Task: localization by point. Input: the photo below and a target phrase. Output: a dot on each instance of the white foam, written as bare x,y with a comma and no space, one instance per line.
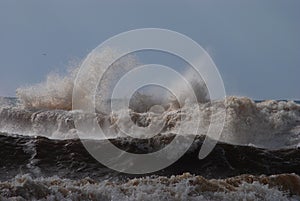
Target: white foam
270,124
185,187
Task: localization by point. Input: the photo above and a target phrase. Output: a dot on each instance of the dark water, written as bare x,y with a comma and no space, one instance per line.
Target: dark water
40,156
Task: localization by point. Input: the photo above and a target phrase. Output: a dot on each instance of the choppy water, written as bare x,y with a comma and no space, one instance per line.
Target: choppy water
39,168
257,156
41,154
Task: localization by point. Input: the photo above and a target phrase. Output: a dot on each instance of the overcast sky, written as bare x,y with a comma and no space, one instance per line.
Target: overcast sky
255,44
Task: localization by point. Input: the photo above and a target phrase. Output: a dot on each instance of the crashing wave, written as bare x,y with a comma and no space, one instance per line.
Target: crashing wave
268,124
46,108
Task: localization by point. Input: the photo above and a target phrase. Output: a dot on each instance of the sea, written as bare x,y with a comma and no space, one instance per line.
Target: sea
256,158
43,156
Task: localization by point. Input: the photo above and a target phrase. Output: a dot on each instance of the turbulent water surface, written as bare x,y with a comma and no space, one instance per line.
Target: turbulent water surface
257,157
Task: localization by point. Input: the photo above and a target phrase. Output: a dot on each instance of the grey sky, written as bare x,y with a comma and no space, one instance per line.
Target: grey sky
255,44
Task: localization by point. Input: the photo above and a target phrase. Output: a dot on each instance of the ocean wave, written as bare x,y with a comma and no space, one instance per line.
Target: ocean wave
46,108
268,124
43,157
